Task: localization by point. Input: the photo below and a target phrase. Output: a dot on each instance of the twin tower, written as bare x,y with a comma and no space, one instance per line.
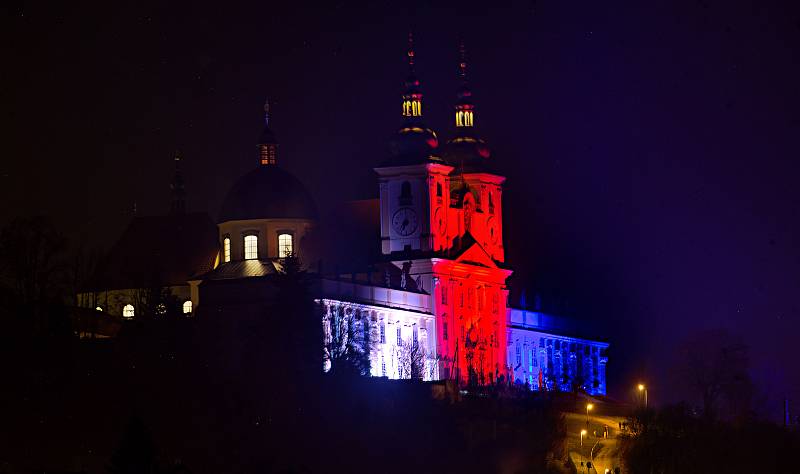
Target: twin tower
414,141
442,224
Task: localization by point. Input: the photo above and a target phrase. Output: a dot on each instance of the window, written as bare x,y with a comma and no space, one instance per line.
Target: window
491,204
99,308
495,302
438,189
383,332
267,154
399,335
461,297
127,311
226,249
444,331
250,247
415,335
285,248
405,194
519,354
444,294
187,307
383,366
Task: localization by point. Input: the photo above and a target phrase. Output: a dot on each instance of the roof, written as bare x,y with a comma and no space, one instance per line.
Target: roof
241,269
160,250
267,192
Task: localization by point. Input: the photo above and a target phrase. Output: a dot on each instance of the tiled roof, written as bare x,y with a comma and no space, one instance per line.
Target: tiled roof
160,251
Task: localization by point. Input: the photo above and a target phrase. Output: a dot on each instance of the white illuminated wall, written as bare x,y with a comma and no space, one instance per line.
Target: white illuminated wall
388,357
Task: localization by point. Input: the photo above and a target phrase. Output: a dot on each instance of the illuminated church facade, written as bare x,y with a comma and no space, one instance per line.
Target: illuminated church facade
441,225
437,306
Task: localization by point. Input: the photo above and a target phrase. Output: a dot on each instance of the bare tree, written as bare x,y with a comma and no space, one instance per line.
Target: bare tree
714,365
349,341
411,358
32,269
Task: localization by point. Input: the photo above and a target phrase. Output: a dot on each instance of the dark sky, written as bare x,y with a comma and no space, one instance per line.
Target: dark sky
651,147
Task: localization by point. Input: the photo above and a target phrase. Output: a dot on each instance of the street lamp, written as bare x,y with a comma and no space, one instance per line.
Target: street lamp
642,388
583,433
589,406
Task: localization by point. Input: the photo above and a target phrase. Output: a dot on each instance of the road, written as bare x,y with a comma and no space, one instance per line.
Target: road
605,453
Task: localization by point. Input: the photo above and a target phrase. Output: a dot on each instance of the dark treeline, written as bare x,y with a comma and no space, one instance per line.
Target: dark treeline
719,428
173,394
676,440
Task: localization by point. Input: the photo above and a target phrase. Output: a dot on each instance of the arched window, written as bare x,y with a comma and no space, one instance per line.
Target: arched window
128,311
405,193
187,307
438,189
285,245
491,204
250,247
226,249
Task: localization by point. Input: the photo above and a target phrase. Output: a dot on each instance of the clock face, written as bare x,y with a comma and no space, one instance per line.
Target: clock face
404,221
438,220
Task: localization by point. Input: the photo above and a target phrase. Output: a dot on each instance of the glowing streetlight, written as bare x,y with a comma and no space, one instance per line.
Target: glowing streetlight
643,389
589,406
583,433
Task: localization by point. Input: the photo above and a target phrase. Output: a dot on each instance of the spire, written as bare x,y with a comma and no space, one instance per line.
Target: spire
267,144
412,97
464,106
178,192
410,53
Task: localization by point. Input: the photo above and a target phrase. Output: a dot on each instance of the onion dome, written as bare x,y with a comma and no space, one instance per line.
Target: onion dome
413,142
466,148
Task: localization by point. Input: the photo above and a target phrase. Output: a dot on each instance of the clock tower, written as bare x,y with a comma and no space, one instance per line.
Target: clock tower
441,224
414,183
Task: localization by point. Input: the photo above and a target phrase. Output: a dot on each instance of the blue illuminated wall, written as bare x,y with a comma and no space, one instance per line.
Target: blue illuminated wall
542,357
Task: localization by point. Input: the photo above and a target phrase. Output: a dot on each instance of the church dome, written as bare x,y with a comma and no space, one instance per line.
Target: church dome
267,192
413,143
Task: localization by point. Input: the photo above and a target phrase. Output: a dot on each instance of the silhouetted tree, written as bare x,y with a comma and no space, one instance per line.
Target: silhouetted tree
33,274
714,365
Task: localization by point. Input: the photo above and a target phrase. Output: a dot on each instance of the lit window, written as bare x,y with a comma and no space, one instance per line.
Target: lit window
250,247
399,335
127,311
99,308
285,248
226,249
187,307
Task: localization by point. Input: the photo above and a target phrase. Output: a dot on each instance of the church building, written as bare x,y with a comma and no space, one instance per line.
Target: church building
435,303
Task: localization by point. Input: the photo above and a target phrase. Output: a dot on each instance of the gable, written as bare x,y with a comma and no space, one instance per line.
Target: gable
476,255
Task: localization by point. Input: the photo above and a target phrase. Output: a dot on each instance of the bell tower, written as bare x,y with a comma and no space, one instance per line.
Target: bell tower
414,182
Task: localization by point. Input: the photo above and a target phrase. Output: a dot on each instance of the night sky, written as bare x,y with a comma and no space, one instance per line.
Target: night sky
651,147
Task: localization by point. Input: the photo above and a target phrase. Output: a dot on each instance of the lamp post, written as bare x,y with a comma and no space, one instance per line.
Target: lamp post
642,388
583,433
589,406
